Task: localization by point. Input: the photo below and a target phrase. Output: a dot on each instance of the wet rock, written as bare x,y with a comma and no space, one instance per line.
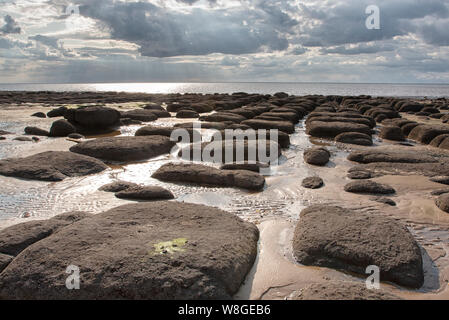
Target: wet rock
140,115
76,136
195,135
341,290
437,141
312,183
317,156
154,106
58,112
15,239
339,238
359,175
292,117
411,107
150,193
36,131
439,192
209,176
406,129
145,251
161,113
359,120
187,114
390,156
320,129
426,133
222,117
125,149
384,201
203,125
368,186
249,166
95,118
441,179
62,128
284,126
443,202
23,139
39,115
5,260
356,138
129,122
392,133
51,166
118,186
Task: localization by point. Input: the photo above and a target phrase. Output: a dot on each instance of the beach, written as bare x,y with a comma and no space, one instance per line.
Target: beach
386,160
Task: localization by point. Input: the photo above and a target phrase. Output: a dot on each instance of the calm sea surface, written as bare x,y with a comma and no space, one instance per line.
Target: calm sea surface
397,90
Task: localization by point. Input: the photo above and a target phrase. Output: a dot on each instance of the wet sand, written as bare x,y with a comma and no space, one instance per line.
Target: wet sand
275,275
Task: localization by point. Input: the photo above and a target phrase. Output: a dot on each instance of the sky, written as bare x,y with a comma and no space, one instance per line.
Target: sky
79,41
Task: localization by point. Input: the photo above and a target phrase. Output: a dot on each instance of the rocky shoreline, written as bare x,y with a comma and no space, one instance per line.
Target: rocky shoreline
373,193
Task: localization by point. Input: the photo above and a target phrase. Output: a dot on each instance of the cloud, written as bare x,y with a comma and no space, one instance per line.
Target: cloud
11,26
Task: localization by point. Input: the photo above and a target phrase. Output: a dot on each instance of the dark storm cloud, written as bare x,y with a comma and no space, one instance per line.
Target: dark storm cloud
11,26
164,33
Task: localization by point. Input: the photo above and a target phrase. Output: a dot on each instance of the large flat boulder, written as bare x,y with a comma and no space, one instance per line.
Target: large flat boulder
339,238
51,166
390,156
284,126
326,129
369,187
125,149
426,133
209,176
146,251
15,239
93,117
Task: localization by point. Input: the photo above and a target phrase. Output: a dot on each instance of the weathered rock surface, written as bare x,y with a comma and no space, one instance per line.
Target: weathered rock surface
391,133
255,167
51,166
146,251
140,114
61,128
443,202
426,133
321,129
94,118
368,186
36,131
125,148
317,156
390,156
441,179
15,239
339,238
39,115
209,176
145,193
187,114
5,260
58,112
118,186
359,175
356,138
341,290
312,183
384,201
284,126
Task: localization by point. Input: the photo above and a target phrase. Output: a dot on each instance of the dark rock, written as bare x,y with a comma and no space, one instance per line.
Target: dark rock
441,179
284,126
76,136
39,115
5,260
147,251
51,166
95,118
187,114
317,156
339,238
392,133
3,132
390,156
204,125
59,112
291,116
426,133
439,192
386,201
439,140
125,148
255,167
140,114
129,122
145,193
23,139
342,290
356,138
320,129
443,202
61,128
118,186
36,131
154,106
359,175
209,176
15,239
368,186
2,138
222,117
312,183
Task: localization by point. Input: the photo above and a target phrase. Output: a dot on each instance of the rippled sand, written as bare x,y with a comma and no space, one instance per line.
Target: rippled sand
276,210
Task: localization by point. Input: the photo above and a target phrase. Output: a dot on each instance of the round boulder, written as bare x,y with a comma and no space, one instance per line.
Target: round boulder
317,156
312,183
392,133
61,128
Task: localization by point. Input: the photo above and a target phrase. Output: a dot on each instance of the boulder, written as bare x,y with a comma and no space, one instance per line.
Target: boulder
439,140
391,133
320,129
94,118
187,114
439,192
440,179
75,136
390,156
383,200
341,290
368,186
209,176
51,166
62,128
283,126
359,175
356,138
317,156
312,183
125,149
146,251
339,238
5,260
140,114
426,133
144,193
222,117
15,239
406,129
58,112
39,115
118,186
167,132
249,166
36,131
442,202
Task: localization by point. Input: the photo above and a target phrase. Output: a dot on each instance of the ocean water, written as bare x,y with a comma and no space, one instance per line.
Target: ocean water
352,89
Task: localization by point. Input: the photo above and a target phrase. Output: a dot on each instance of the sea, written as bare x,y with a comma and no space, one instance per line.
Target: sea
344,89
